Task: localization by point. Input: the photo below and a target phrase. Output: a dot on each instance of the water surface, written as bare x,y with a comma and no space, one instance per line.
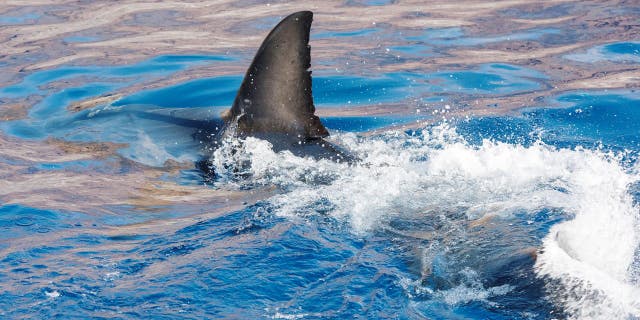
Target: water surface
497,175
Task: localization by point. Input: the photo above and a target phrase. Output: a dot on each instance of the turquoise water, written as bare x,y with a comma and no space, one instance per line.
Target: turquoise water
632,48
478,218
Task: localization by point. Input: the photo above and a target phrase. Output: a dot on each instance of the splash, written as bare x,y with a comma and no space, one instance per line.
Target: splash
592,257
588,260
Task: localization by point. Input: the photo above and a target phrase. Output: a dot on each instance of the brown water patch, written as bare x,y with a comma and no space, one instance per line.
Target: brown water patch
369,110
479,56
63,60
95,192
53,150
124,183
606,80
94,102
13,111
95,150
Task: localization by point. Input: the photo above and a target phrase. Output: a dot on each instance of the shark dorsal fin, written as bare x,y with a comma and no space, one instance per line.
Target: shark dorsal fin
275,95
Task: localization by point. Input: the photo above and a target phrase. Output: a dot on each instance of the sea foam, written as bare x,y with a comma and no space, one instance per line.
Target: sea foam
588,261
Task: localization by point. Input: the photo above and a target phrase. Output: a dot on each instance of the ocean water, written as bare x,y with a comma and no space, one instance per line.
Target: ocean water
523,213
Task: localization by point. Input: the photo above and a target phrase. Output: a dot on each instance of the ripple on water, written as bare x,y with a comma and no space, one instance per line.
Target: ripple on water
18,221
492,79
456,37
619,52
117,76
593,118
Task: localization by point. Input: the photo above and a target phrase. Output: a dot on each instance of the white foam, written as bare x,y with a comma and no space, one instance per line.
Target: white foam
52,294
592,256
421,176
279,315
472,290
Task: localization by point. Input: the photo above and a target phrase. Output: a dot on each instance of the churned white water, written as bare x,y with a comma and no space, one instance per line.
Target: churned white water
588,261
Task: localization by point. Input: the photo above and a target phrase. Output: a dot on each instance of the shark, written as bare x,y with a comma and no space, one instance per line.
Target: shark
275,101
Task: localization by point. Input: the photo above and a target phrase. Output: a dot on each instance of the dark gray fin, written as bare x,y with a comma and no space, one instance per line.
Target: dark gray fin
275,95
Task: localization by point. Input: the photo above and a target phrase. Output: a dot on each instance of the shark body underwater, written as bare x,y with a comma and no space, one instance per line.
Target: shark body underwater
275,102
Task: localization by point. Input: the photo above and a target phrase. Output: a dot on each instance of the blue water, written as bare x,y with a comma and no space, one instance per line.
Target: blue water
75,39
21,19
415,256
632,48
356,33
592,120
